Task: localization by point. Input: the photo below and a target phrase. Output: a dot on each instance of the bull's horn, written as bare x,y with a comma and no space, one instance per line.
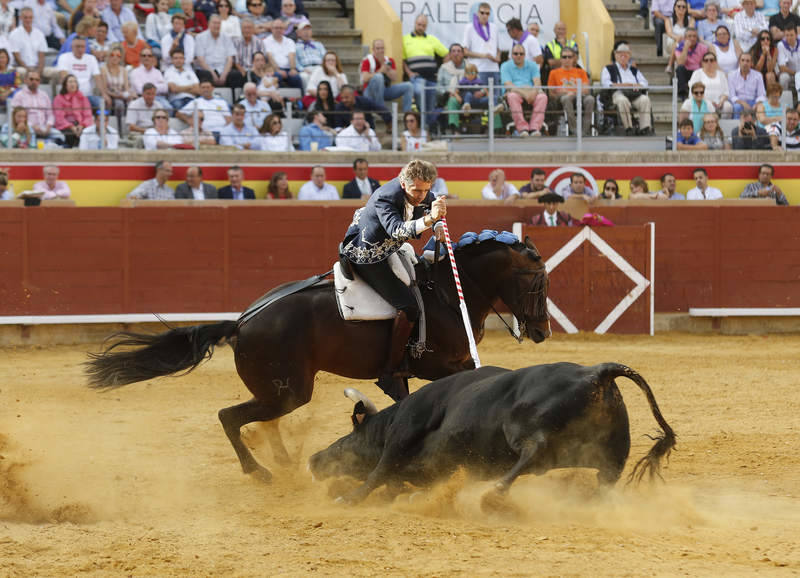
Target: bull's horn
355,396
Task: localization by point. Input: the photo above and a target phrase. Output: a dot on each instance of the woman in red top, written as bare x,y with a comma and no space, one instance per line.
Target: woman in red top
72,111
279,187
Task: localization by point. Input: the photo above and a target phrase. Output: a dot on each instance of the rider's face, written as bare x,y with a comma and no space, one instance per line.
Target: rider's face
417,193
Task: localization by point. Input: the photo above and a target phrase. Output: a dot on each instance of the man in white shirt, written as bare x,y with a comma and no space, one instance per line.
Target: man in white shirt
215,52
317,189
217,112
358,136
28,44
160,135
498,189
788,57
533,50
83,66
239,134
256,110
480,45
702,192
140,111
282,53
147,73
177,38
90,136
181,80
44,18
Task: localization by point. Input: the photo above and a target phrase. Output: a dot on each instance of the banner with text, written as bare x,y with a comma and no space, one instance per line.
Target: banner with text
448,18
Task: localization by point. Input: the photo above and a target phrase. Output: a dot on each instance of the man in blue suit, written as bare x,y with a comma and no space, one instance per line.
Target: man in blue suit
235,190
399,210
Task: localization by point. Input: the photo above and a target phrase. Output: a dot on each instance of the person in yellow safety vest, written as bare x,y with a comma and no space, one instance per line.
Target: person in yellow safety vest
552,50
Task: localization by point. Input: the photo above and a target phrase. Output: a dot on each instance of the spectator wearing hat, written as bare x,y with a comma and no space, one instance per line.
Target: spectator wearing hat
551,216
92,136
309,52
631,90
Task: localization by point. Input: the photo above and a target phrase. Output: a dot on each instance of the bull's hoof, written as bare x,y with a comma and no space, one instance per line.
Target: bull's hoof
496,502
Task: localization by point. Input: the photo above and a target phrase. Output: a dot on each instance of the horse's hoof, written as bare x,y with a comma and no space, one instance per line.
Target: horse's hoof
496,502
262,475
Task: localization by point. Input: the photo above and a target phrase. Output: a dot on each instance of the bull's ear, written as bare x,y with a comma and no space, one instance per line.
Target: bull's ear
359,413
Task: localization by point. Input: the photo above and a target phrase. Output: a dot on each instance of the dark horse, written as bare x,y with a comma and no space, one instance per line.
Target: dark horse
279,351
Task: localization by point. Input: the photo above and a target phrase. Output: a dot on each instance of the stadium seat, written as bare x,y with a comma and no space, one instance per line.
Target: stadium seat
727,125
290,93
225,93
293,125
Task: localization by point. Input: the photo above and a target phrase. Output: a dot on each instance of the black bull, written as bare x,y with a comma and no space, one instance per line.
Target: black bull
495,422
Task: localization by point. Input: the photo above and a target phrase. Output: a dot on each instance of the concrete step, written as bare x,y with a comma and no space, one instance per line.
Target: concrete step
347,52
323,8
338,36
324,24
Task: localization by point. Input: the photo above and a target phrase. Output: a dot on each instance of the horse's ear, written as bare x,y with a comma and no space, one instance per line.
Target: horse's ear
529,244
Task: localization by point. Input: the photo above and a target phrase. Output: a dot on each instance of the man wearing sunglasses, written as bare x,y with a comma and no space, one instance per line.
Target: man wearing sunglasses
480,44
564,81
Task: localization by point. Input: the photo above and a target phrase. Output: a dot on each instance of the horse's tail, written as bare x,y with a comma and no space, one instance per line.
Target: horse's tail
132,357
651,463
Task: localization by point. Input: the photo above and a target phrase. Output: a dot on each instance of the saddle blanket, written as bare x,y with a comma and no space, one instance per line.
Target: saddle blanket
358,301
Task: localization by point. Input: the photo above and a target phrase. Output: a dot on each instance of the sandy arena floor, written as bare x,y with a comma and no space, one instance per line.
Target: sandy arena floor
142,481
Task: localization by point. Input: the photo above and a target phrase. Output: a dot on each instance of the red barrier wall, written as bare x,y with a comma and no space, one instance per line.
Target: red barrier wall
56,260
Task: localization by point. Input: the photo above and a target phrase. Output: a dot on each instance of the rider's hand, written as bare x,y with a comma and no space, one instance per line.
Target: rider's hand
438,232
438,208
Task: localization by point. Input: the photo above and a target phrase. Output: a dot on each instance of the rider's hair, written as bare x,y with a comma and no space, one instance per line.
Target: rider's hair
418,169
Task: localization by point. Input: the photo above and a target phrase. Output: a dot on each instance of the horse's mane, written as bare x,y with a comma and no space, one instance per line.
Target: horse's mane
479,248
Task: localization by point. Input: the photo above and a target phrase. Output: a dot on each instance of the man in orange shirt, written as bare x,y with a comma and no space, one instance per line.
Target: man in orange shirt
564,81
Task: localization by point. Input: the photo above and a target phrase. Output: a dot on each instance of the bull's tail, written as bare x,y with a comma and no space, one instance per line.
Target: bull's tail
131,357
651,463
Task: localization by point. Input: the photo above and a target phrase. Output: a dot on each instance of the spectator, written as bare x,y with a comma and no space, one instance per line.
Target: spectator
182,83
414,136
631,90
10,78
498,189
317,189
28,44
520,77
669,188
91,135
788,57
316,135
419,63
273,137
140,111
278,187
687,139
196,22
472,94
447,79
688,58
711,134
204,137
82,66
6,188
697,107
439,189
552,50
764,188
239,133
275,8
331,70
282,55
157,25
194,187
792,131
217,112
770,111
379,71
246,46
784,20
533,50
610,191
87,8
8,18
73,112
480,44
86,29
640,190
350,102
236,190
44,18
746,86
132,45
115,16
362,186
262,21
230,25
676,28
702,190
536,187
256,110
565,82
18,131
309,52
715,84
661,10
324,103
707,27
577,187
38,105
160,135
551,216
748,135
177,38
116,90
214,59
263,76
747,24
156,189
100,46
728,51
51,186
206,7
358,136
147,73
291,18
765,57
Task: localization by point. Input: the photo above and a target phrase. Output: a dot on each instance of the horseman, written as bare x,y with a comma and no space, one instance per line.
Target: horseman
401,209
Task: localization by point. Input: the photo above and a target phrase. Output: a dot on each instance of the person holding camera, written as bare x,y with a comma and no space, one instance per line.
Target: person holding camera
764,188
748,135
